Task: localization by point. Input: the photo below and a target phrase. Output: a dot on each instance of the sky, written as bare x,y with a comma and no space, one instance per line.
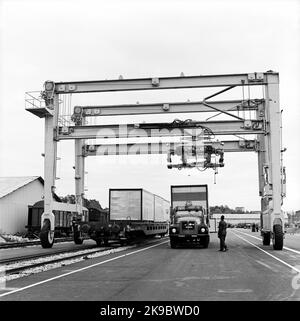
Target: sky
88,40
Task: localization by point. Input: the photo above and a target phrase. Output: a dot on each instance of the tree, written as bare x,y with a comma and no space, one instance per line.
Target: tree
69,199
92,203
224,209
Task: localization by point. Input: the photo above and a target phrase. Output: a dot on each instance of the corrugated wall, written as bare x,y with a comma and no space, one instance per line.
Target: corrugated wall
125,204
148,206
162,209
14,207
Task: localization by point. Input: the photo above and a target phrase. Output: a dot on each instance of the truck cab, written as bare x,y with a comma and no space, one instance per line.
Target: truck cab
189,216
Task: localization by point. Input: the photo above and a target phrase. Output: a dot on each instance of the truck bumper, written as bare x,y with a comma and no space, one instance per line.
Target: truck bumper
182,238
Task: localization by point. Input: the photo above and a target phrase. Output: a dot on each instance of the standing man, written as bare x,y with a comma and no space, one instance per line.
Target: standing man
222,234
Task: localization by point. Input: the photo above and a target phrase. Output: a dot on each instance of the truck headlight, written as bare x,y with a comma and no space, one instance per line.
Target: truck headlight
173,230
202,230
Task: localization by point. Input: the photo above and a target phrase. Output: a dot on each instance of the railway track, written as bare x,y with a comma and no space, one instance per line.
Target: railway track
51,260
42,255
37,242
22,263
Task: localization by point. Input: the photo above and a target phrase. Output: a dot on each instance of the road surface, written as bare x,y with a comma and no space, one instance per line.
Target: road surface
248,271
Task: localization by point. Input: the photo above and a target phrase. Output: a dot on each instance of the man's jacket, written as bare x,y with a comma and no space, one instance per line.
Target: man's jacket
222,228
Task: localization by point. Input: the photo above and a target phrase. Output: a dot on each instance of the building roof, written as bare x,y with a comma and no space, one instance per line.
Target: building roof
11,184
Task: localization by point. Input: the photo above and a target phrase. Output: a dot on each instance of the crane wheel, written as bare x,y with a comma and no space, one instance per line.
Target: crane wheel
278,237
266,238
46,236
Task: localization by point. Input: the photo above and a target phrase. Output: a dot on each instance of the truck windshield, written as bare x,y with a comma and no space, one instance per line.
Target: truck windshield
189,215
190,218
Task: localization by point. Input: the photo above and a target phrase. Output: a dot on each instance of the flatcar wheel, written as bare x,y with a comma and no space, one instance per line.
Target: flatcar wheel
46,236
99,242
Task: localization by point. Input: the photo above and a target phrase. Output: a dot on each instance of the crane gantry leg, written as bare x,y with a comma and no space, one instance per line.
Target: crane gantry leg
270,170
79,189
48,219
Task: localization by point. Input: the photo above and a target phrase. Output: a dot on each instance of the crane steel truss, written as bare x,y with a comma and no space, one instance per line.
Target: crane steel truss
266,126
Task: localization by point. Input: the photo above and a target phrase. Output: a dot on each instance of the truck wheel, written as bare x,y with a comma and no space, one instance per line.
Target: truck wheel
46,236
278,237
115,229
266,238
206,242
77,236
173,244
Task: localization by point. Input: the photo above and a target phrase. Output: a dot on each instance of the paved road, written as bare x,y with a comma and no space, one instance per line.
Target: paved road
248,271
291,241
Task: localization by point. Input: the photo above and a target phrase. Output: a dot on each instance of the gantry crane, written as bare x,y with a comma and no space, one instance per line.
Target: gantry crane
194,136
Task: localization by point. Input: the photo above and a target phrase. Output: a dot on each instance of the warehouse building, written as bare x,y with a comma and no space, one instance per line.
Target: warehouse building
16,193
235,219
242,218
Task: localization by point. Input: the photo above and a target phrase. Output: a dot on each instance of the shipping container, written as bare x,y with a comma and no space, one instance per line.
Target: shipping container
189,195
137,205
162,209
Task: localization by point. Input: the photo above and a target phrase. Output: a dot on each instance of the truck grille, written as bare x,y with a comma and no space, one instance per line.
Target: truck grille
188,225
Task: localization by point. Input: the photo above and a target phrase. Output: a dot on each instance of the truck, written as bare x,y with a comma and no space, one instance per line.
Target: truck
189,216
134,213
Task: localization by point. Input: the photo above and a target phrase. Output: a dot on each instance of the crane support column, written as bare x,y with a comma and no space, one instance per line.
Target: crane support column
79,174
272,216
79,189
48,219
263,181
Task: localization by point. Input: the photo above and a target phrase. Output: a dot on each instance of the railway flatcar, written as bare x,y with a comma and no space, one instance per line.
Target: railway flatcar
98,215
63,221
133,214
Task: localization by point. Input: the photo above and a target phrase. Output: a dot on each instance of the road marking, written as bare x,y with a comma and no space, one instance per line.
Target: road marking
266,265
235,291
286,248
273,256
7,289
82,269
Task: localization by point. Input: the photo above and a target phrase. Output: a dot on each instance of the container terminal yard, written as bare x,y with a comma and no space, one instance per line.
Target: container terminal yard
144,246
149,155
